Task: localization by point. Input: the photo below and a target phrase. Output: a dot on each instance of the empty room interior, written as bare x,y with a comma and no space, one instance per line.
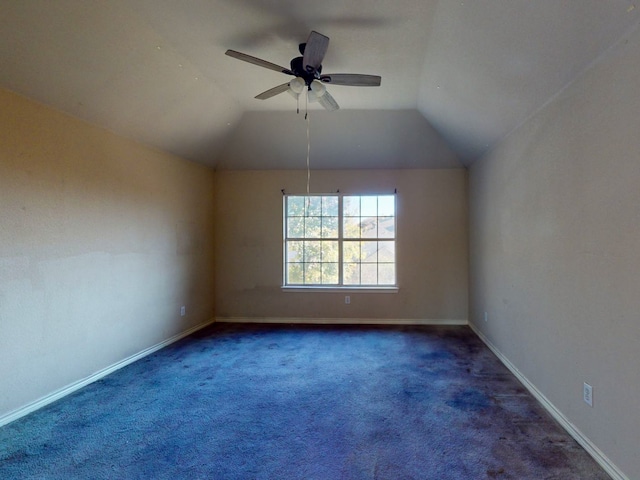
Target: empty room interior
146,195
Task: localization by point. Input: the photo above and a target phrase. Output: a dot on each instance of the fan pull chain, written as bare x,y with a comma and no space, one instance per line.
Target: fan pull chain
306,116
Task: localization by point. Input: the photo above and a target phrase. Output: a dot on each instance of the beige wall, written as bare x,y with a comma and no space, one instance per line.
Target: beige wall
101,241
431,245
555,242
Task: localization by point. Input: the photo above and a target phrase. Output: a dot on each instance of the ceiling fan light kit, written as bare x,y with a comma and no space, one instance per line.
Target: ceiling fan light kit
296,86
316,91
307,71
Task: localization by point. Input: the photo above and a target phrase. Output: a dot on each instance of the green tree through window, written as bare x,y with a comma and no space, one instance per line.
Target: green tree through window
340,240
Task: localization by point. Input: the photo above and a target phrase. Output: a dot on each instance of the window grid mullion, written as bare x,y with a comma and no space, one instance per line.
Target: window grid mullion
304,246
321,243
340,242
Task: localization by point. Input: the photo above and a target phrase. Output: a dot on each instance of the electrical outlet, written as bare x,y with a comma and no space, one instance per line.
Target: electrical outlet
587,394
183,311
347,299
486,317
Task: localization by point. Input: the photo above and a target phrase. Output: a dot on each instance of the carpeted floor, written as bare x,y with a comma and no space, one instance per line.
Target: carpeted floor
301,402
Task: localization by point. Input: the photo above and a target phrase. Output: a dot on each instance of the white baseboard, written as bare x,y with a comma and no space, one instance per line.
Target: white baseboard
595,452
58,394
343,321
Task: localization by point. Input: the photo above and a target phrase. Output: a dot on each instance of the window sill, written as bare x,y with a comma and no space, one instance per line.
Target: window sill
309,289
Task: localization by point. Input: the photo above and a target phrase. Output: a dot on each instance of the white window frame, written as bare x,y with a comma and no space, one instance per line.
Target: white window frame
340,286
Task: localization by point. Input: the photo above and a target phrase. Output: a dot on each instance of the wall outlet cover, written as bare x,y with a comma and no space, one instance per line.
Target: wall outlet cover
587,394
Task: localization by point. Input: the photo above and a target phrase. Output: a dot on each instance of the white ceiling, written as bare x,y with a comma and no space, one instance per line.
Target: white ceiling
457,75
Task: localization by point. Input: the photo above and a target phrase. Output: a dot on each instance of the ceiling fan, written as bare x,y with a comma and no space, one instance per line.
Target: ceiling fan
307,71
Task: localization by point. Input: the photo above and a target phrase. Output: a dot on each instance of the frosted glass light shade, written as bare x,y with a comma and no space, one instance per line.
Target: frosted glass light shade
296,85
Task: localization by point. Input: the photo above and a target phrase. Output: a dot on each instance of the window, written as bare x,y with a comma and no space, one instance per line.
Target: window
340,240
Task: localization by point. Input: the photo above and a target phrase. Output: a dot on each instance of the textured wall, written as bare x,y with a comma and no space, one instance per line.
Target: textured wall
431,245
555,235
101,241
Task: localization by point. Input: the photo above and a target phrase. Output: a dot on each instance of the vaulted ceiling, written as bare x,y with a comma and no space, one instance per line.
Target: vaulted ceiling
457,75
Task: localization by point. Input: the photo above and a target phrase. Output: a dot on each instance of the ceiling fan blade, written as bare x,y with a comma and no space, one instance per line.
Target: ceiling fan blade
314,51
351,79
257,61
328,102
272,92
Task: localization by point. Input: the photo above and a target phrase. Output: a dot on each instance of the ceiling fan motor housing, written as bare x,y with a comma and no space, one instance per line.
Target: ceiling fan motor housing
297,67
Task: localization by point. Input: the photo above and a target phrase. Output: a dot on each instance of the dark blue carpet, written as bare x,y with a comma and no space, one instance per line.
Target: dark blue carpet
300,402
